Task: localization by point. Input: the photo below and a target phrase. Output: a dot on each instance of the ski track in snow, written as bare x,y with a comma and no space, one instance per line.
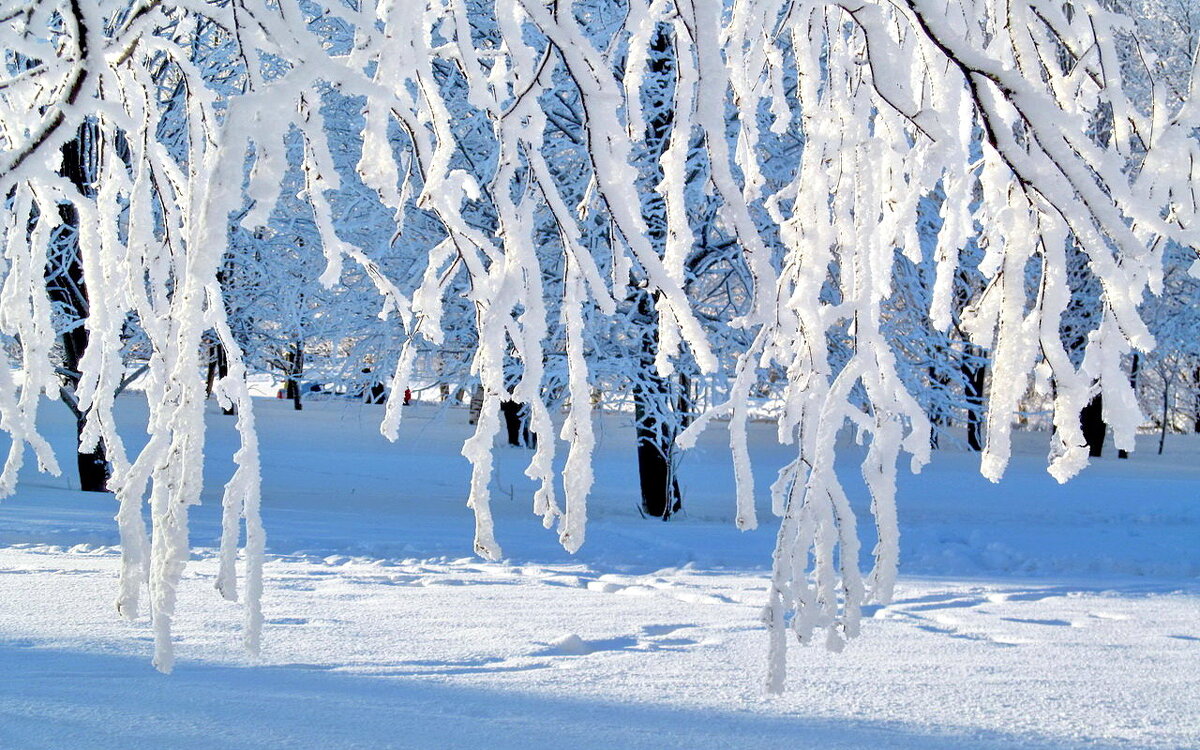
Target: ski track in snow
379,633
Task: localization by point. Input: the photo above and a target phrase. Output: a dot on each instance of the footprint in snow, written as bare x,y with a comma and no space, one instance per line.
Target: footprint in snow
948,603
698,598
1032,621
604,587
432,581
399,580
670,644
952,632
1023,596
572,645
650,640
568,581
653,631
636,589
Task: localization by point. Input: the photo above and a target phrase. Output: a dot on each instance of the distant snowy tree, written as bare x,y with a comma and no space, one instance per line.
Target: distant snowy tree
1168,377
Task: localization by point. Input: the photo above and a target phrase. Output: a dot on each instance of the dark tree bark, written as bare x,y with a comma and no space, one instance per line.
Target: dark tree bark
511,411
655,410
92,465
938,416
476,407
516,424
68,294
218,368
684,404
656,426
974,374
1196,417
1166,413
661,497
377,393
211,377
291,388
1091,419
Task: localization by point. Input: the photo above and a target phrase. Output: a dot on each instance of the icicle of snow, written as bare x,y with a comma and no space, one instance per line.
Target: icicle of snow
577,429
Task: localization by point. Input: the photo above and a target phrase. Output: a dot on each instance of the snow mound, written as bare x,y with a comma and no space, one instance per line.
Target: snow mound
570,645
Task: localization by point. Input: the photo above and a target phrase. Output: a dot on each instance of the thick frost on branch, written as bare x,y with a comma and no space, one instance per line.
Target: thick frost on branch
1021,123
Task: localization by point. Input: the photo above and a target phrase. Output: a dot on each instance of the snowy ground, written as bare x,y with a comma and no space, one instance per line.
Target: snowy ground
1028,615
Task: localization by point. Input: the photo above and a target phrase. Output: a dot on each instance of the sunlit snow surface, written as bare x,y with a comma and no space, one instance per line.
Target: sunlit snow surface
1027,615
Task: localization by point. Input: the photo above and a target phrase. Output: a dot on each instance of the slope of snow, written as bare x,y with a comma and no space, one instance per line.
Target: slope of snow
1028,614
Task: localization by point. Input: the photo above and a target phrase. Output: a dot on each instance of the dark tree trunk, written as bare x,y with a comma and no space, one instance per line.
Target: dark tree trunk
1091,419
291,388
1166,413
68,294
1133,376
92,465
937,412
974,374
211,377
476,407
656,427
661,497
683,405
377,393
1196,418
655,409
516,424
511,410
218,369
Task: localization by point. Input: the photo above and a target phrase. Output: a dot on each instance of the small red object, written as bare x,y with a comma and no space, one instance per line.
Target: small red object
407,396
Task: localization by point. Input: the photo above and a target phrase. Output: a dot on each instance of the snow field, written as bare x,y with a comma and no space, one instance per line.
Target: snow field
449,653
1063,616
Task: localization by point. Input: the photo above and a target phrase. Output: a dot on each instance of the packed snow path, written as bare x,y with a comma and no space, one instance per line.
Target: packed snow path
1070,620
